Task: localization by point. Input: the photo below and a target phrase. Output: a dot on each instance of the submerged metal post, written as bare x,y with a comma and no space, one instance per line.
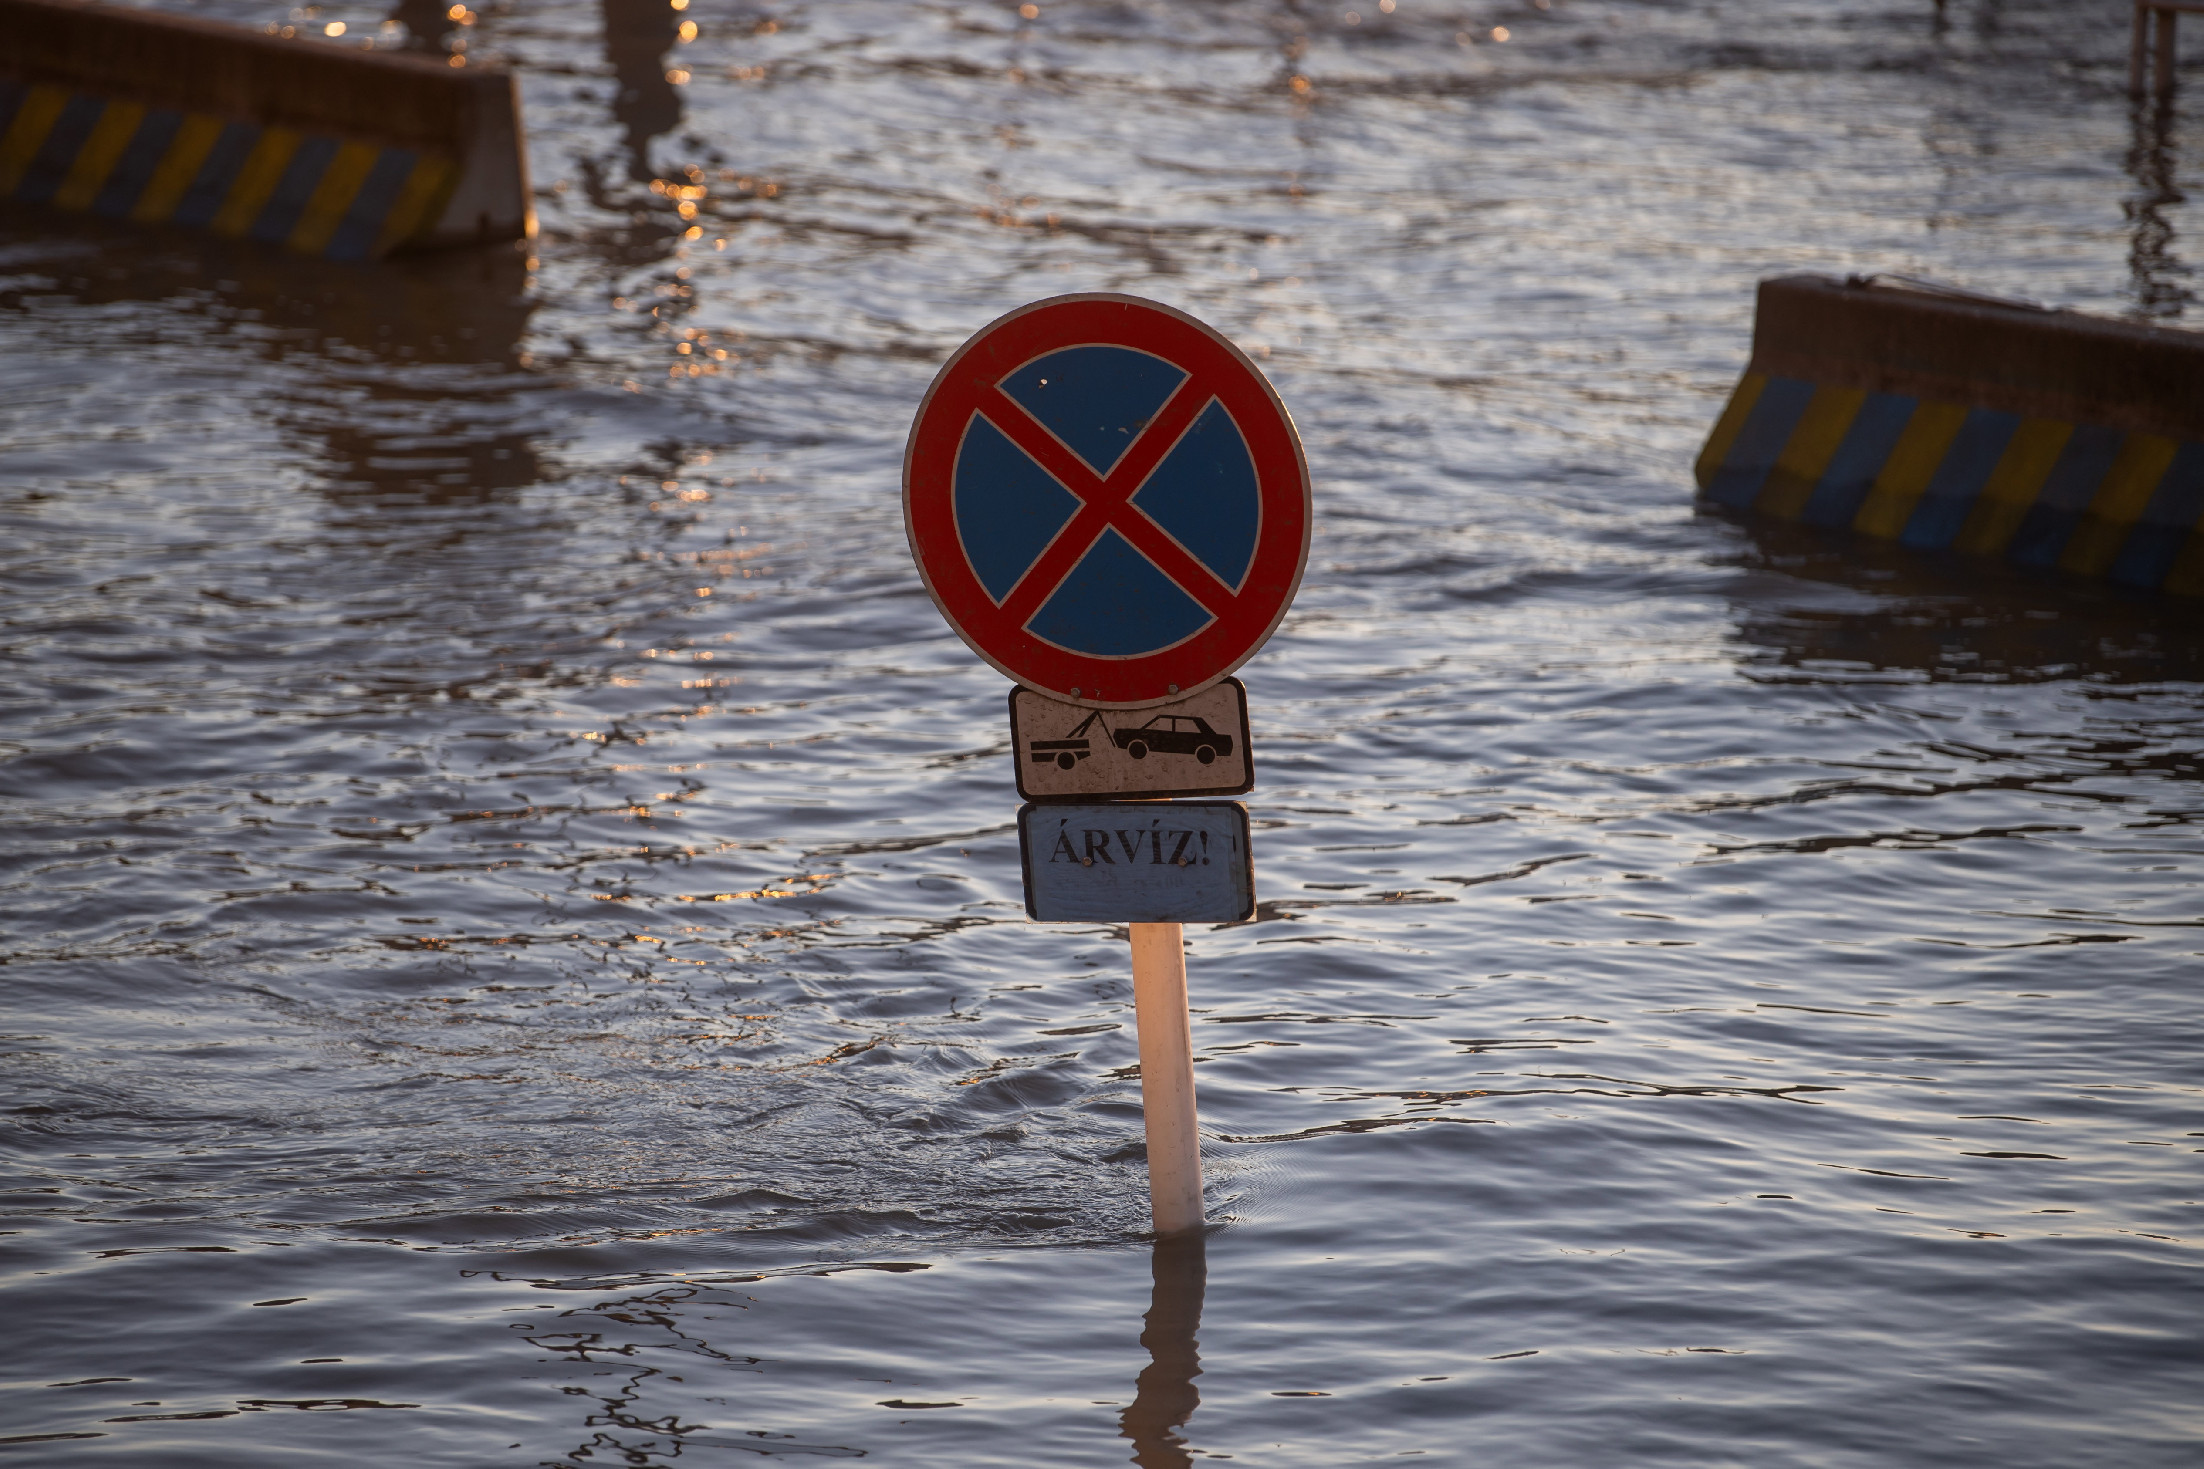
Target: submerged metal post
2155,43
2138,44
1167,1076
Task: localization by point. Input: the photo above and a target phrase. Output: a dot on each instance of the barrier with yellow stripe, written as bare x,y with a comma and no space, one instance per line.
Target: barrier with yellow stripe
311,192
1949,422
152,118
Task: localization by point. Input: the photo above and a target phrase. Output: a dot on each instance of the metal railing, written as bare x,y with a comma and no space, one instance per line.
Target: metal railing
2161,17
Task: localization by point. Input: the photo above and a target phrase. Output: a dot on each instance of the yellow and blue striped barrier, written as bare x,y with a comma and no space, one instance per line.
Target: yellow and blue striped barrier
313,193
341,151
1817,442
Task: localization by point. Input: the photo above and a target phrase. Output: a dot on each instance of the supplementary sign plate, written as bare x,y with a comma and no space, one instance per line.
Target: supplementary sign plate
1107,501
1188,747
1107,862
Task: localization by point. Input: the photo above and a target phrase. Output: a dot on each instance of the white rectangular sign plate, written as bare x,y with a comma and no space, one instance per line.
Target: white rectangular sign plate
1117,862
1197,746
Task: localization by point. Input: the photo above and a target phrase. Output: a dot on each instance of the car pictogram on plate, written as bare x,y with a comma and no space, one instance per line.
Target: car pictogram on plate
1173,734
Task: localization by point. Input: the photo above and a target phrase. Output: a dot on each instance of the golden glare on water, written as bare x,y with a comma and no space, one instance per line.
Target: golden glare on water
334,28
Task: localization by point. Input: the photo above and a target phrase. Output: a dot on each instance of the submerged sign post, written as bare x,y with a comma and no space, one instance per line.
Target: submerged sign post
1109,504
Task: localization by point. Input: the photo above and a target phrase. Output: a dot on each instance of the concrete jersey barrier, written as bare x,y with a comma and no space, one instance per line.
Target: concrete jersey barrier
1943,420
154,118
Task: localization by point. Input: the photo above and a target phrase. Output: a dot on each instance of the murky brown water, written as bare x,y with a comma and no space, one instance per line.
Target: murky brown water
512,932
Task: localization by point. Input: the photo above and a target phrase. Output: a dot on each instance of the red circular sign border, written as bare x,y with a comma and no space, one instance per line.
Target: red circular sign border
1282,478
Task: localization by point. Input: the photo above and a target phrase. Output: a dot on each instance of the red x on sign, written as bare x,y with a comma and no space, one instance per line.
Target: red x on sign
1107,501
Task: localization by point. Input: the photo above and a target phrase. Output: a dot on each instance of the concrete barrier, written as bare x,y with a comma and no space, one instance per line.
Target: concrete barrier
1943,420
324,149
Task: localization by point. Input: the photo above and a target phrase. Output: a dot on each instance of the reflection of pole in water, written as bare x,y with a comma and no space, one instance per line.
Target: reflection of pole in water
429,23
1165,1396
2153,268
638,34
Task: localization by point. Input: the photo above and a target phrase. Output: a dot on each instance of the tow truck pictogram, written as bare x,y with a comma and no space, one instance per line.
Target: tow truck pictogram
1166,734
1070,750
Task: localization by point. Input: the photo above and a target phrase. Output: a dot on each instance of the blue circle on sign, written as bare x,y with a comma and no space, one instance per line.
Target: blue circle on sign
1097,401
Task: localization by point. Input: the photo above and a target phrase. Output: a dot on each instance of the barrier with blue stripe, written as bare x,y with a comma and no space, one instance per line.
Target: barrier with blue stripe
1933,473
313,193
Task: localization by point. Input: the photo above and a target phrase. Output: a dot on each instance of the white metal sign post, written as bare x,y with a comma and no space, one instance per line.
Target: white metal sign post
1167,1076
1109,504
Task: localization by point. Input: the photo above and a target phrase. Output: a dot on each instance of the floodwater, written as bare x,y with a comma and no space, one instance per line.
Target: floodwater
513,947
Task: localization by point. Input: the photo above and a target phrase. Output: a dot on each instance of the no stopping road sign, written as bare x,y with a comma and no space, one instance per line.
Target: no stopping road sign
1107,500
